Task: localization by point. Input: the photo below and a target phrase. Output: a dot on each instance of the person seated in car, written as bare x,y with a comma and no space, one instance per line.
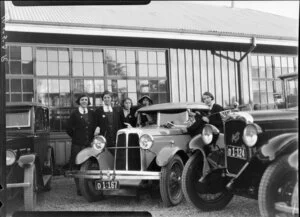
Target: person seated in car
214,117
144,119
195,123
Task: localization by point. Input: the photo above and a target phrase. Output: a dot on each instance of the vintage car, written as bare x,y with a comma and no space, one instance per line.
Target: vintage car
249,159
153,154
29,158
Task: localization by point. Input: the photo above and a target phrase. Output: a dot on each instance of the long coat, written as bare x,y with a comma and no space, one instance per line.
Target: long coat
130,119
81,131
102,122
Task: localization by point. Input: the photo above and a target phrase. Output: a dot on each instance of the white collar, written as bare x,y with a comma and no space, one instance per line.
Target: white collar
107,108
81,110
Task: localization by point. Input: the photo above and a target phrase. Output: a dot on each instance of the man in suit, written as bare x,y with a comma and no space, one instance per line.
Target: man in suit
214,117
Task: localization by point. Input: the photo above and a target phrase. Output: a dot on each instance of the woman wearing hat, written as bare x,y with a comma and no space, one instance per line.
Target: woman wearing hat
144,119
108,119
214,117
80,127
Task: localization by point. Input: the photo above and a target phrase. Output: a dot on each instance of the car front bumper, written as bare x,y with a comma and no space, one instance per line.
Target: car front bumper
114,175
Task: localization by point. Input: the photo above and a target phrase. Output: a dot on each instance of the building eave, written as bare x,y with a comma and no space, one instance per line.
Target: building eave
148,33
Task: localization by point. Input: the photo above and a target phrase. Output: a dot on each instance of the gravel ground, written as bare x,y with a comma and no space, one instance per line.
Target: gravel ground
63,197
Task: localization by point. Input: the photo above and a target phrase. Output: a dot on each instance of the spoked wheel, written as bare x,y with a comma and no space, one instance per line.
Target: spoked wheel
170,182
87,186
277,186
199,196
30,193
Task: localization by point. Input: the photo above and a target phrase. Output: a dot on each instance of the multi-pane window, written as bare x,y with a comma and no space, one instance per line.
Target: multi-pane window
267,88
19,82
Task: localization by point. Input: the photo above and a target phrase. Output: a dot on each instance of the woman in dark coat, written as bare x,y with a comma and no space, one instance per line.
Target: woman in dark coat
80,127
214,117
127,116
144,119
108,119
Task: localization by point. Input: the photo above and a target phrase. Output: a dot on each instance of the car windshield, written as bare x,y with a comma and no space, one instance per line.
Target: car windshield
18,119
177,117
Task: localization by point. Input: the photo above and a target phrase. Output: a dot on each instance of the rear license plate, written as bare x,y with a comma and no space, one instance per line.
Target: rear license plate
106,185
236,152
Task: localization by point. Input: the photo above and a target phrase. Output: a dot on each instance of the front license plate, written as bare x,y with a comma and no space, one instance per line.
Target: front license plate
107,185
236,152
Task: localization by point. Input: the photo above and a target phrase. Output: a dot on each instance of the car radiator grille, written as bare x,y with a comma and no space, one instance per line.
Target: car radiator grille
234,138
127,152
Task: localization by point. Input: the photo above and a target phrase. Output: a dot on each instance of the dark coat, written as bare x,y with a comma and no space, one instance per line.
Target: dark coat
197,127
130,119
215,117
102,121
81,131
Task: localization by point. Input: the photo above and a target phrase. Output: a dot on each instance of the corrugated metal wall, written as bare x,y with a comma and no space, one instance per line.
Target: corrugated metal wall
192,72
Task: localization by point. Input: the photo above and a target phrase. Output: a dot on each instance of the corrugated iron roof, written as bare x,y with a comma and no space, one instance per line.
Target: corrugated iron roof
177,16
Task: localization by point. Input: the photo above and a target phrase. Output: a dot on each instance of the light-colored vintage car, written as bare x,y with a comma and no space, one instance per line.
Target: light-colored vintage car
145,156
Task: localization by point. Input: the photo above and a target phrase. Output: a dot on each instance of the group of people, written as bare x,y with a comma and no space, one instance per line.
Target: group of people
84,123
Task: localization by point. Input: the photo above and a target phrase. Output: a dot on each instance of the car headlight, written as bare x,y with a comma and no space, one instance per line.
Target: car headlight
99,143
208,133
250,135
10,157
146,141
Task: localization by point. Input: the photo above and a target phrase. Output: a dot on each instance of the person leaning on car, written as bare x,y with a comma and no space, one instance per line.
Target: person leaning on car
108,119
80,127
214,117
195,123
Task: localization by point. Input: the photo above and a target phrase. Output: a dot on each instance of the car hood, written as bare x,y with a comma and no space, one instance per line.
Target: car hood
152,130
269,115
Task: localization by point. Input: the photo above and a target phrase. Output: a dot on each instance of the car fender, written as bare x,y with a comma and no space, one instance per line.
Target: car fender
165,155
85,154
196,143
26,160
293,160
284,143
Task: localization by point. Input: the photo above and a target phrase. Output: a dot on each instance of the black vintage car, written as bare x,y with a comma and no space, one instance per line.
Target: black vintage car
29,158
249,159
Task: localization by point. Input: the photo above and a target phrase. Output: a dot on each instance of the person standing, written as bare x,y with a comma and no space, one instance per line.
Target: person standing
80,127
108,119
127,116
214,116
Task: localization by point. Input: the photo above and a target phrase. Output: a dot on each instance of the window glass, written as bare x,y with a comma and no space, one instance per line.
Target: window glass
78,86
28,97
63,55
121,58
130,56
122,86
162,71
27,67
52,68
254,61
142,56
152,57
161,58
15,67
89,86
255,72
261,61
98,69
88,69
64,69
42,85
41,54
162,86
53,86
77,69
131,70
99,86
16,97
87,56
152,70
15,53
7,85
16,85
77,56
52,55
143,70
144,86
64,86
27,85
111,55
98,56
26,53
41,68
153,85
131,86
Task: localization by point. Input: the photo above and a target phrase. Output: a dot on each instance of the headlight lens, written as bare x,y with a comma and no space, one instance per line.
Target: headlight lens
146,141
207,134
99,143
10,157
250,135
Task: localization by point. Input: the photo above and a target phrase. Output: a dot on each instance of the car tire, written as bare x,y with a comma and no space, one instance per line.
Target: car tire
170,182
30,193
277,185
191,174
87,186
